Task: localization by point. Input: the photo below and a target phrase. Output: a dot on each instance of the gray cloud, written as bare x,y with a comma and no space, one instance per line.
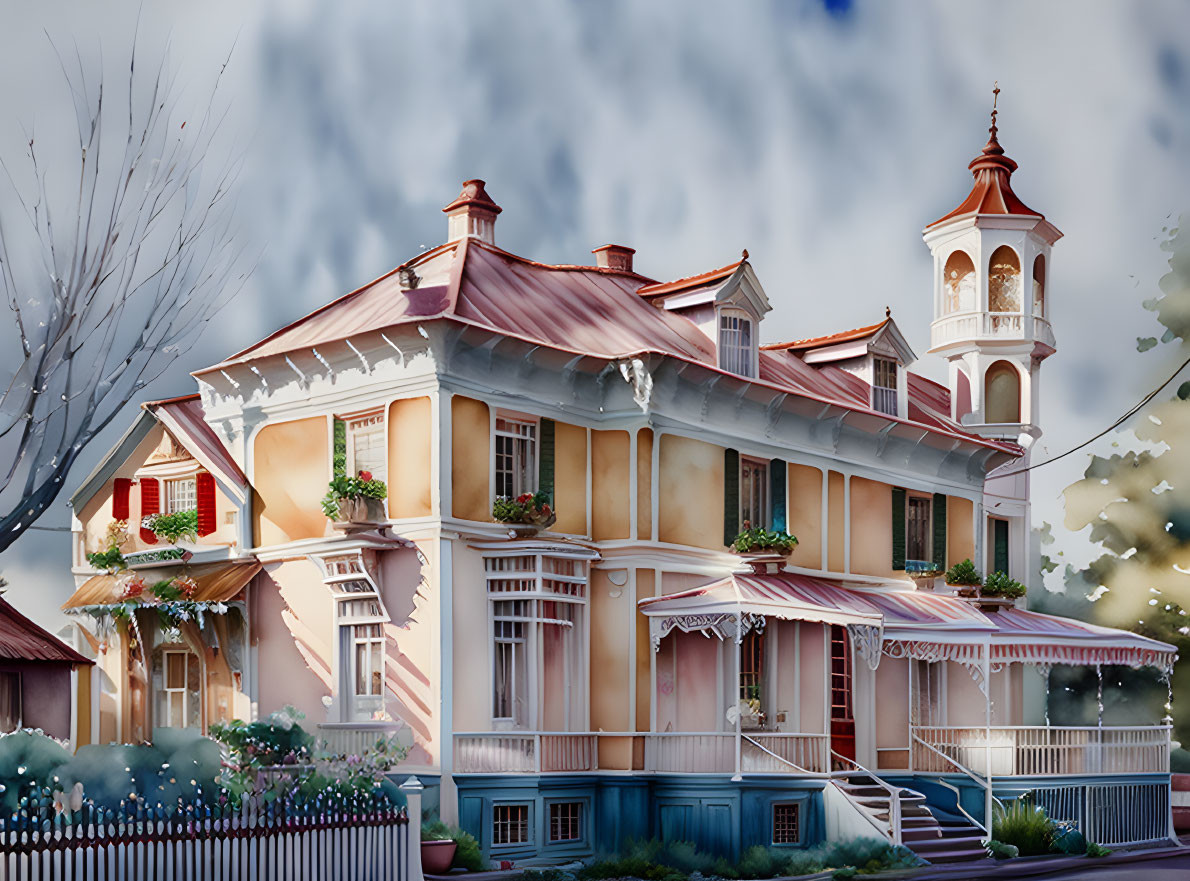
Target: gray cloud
821,142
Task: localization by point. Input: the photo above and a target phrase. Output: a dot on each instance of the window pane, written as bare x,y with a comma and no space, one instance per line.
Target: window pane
366,442
754,482
175,670
918,528
735,344
180,495
177,715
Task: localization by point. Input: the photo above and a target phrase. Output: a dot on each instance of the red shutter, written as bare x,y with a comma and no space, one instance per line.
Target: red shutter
150,503
204,490
121,486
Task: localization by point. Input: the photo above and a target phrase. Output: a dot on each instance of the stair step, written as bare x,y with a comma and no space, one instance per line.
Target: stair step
946,844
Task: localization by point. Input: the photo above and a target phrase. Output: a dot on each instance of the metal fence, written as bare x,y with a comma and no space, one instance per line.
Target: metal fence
1110,813
325,838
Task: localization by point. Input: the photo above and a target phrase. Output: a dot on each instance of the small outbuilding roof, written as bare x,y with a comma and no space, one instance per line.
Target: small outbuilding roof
23,640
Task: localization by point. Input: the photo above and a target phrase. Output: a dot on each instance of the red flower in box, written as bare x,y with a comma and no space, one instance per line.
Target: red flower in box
133,588
365,475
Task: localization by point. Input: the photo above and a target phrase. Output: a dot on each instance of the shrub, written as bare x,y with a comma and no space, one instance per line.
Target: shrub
277,739
758,539
963,573
1096,850
173,527
1001,851
998,584
468,854
1023,824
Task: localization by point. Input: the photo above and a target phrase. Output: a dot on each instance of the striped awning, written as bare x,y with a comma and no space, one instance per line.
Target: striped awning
216,583
910,623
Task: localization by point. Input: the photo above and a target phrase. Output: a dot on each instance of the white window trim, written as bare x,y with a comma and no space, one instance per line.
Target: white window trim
766,515
532,475
754,345
186,654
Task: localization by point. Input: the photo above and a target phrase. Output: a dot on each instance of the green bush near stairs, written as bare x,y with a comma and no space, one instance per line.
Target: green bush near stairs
655,860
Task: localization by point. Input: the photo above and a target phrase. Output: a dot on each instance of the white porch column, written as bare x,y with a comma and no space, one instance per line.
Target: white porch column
987,742
735,697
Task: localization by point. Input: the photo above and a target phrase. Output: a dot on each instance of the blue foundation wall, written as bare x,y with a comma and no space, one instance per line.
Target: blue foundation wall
719,815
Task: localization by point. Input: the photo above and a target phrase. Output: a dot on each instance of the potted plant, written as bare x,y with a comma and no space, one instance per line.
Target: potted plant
999,590
765,550
963,578
175,528
438,848
358,499
528,512
110,558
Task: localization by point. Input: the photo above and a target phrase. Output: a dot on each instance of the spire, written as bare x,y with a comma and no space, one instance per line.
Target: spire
992,192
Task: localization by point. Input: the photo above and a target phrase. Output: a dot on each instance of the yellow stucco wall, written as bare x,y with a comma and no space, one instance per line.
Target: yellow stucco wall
570,478
471,433
610,499
836,520
291,464
644,484
871,527
960,530
805,515
691,492
410,438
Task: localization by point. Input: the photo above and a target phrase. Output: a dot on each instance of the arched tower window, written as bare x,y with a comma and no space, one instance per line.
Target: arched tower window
1002,393
1004,281
1039,286
958,284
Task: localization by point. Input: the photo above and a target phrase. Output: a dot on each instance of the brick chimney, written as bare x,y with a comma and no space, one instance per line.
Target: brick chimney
614,257
473,213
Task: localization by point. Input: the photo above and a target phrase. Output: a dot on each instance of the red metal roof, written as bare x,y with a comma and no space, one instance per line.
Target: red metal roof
845,336
22,640
691,281
188,413
992,193
581,309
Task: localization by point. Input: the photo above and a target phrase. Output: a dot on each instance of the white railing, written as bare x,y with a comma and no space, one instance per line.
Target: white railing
690,753
1113,814
891,829
807,751
927,757
1023,751
355,738
524,752
989,325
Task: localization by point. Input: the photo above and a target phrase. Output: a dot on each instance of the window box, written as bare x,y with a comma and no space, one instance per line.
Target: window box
355,502
764,550
525,514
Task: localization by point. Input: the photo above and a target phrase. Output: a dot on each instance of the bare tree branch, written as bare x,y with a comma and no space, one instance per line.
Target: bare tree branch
104,303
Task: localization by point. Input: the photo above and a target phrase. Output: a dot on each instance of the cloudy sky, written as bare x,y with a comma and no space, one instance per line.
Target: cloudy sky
820,136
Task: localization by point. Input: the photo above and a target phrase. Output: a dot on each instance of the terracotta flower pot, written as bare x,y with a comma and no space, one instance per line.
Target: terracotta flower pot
437,856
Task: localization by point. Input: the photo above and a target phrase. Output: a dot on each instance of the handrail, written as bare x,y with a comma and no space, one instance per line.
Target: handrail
782,759
1043,727
985,784
894,798
958,803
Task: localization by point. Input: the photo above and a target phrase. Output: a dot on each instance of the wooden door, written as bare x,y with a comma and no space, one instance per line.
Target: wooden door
842,714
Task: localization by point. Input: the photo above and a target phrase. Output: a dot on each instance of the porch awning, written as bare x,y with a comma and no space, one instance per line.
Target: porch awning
216,583
1027,637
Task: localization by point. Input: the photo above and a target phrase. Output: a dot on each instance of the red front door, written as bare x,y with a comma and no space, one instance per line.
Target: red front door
842,718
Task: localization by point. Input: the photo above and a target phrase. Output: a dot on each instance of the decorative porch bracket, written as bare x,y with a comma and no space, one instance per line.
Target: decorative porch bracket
867,639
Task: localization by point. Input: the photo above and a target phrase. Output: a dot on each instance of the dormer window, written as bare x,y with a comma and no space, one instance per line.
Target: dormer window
884,386
737,343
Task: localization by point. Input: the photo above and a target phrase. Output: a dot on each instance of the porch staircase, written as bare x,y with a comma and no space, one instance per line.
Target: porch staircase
938,842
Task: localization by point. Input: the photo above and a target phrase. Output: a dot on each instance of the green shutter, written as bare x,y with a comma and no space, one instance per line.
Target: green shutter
339,456
898,528
1000,546
939,509
731,495
545,459
778,517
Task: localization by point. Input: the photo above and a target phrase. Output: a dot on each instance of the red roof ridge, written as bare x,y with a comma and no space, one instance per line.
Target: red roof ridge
652,290
179,399
564,267
843,336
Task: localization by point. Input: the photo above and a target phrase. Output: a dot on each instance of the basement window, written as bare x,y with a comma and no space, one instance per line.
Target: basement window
510,824
787,823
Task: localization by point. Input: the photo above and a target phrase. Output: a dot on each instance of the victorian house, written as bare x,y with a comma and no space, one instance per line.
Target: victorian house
610,666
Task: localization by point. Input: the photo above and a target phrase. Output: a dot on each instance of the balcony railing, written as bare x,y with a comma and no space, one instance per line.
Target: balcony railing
990,325
354,738
532,752
524,752
1040,751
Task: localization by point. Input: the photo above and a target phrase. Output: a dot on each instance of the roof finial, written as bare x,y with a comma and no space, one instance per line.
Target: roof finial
888,312
995,101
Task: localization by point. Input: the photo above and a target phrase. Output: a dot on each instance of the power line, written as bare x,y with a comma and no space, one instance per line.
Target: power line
1132,412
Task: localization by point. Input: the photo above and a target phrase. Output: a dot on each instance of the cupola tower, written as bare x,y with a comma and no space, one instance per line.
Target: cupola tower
992,299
